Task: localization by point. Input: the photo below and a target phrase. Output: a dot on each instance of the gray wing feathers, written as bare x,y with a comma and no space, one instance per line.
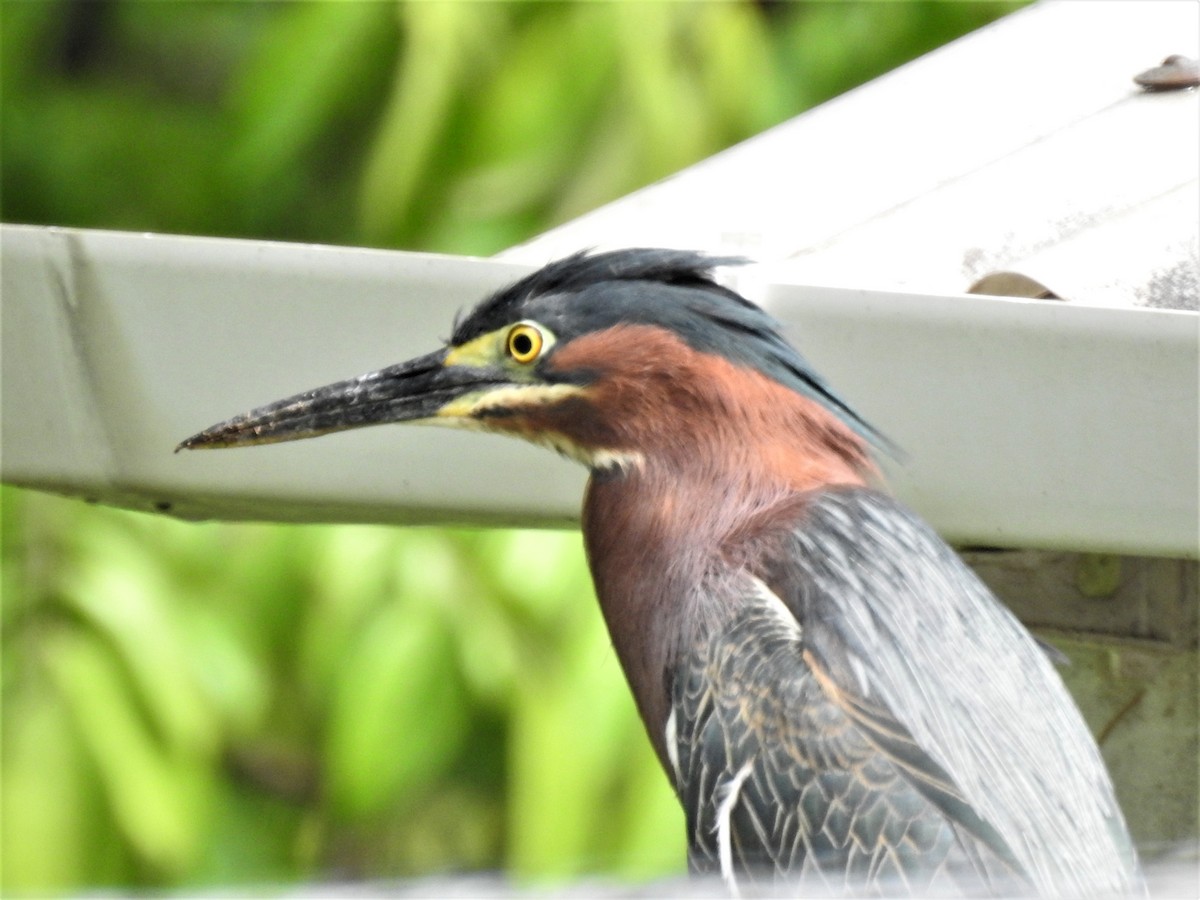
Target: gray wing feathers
780,782
881,597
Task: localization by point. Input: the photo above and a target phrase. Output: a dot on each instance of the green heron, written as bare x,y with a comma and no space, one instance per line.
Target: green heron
835,696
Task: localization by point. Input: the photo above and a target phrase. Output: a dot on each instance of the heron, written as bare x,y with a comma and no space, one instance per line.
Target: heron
836,698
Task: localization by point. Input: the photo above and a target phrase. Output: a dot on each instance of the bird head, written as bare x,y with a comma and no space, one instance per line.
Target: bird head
604,357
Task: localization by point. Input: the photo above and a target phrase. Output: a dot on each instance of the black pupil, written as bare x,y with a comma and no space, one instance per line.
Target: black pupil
522,344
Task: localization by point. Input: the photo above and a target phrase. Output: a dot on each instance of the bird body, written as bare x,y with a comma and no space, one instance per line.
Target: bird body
837,699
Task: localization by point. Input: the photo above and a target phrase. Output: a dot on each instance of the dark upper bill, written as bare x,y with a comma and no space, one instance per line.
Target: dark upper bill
406,392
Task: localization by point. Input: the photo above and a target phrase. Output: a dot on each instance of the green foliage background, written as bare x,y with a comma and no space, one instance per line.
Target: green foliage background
189,705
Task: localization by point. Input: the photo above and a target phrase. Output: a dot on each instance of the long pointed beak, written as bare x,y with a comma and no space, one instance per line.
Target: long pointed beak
408,392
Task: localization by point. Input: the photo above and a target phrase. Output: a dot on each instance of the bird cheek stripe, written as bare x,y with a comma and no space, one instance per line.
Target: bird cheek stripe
506,400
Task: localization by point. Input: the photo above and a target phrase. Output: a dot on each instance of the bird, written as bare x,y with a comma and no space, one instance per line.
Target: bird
839,702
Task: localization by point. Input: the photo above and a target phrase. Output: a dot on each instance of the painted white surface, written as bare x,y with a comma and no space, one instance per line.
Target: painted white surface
1026,423
1023,147
117,346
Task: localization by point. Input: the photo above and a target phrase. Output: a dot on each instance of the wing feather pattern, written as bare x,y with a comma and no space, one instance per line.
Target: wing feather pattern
887,725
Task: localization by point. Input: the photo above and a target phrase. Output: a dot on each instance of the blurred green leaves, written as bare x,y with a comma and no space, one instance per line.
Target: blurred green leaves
152,789
189,705
397,710
460,127
441,39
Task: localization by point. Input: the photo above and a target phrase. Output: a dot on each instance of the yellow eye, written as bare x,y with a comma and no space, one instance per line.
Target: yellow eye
524,343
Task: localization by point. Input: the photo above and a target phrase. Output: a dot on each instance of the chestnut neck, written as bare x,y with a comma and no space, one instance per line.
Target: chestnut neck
712,450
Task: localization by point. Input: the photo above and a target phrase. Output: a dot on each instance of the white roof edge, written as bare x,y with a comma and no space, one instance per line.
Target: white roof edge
1026,423
1019,148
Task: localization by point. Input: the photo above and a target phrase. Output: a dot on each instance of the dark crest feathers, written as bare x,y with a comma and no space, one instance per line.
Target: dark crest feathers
571,274
670,289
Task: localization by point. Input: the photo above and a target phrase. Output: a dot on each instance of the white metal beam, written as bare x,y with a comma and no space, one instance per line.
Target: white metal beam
1026,423
996,147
